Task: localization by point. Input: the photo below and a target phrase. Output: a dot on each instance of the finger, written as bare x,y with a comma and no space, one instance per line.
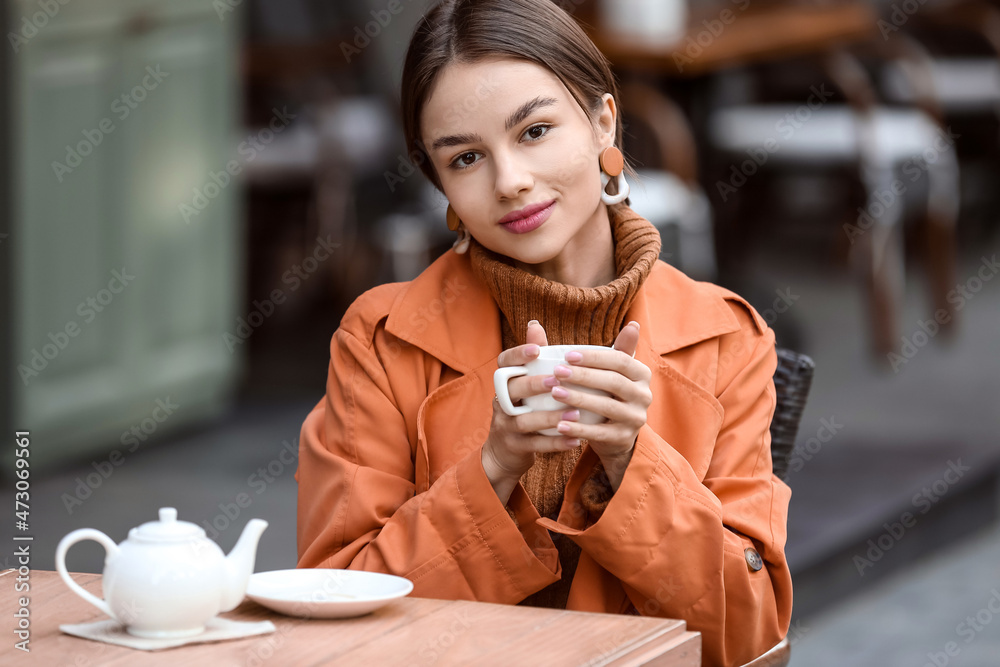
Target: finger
612,382
611,360
531,423
541,444
609,408
520,355
536,334
531,385
524,429
628,339
594,433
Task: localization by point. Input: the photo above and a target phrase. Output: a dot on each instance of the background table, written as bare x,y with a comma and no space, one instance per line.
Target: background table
409,632
758,34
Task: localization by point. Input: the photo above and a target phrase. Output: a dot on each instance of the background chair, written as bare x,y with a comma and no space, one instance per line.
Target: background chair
415,235
776,657
962,41
792,380
669,196
878,141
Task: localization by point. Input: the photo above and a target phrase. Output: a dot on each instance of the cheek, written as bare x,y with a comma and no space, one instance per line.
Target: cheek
465,194
574,166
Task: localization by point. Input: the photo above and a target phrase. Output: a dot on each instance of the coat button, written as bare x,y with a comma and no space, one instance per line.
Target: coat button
753,559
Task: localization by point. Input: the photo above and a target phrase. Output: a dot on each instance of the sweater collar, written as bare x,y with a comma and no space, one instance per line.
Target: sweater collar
448,312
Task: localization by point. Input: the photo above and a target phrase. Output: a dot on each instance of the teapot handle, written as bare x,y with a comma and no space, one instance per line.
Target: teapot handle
64,545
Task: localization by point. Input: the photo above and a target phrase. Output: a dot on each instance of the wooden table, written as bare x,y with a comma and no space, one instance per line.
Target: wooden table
408,632
760,32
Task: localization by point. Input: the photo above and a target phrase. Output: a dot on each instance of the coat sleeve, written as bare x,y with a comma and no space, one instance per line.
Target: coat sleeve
678,543
357,506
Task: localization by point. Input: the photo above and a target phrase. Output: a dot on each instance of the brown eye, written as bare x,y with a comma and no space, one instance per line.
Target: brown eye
464,161
536,132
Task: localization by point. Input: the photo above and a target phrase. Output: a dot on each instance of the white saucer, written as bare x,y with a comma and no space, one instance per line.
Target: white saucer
325,593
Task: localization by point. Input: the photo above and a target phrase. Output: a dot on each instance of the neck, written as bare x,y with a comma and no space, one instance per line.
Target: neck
588,260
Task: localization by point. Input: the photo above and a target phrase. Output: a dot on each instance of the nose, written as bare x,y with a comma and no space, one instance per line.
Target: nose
512,176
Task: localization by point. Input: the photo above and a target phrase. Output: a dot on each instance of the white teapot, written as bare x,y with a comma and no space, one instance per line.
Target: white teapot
167,579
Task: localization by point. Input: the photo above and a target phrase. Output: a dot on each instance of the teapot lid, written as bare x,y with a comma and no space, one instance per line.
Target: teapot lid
168,527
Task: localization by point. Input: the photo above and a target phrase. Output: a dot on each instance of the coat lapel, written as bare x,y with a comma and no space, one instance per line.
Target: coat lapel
675,312
449,314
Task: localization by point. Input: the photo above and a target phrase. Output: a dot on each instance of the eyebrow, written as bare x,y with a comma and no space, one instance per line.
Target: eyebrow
519,115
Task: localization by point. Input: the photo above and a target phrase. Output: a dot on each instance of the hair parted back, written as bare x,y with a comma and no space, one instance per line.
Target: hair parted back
467,31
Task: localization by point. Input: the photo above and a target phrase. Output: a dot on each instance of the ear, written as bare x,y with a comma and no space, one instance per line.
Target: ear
607,121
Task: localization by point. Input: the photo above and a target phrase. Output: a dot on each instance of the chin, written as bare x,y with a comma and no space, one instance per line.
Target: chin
534,255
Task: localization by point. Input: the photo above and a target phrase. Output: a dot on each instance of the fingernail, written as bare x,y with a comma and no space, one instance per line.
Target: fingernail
532,350
530,322
572,442
559,392
570,415
563,427
563,371
633,322
574,356
551,382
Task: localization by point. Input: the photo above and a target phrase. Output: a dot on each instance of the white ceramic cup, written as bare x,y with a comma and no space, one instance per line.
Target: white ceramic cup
544,364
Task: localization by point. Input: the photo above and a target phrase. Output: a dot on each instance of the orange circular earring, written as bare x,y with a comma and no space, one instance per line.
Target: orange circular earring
461,244
453,220
612,161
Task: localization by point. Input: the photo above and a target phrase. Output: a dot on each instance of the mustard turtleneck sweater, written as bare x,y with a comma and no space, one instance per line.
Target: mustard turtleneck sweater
569,315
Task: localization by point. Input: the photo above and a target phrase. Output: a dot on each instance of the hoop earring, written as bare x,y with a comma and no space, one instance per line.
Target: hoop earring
461,244
613,166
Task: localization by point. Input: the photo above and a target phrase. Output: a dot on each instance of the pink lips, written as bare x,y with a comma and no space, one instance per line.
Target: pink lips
528,218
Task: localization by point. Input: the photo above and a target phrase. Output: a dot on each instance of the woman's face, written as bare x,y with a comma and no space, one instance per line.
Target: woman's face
506,134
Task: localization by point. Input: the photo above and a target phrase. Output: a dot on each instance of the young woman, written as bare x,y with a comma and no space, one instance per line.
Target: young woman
409,466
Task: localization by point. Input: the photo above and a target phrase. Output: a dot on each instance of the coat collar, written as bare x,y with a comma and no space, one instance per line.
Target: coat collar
449,313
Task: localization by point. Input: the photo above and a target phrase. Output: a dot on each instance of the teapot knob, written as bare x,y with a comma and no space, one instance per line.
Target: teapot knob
168,514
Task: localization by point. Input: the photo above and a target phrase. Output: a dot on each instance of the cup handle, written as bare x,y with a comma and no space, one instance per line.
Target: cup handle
500,379
64,545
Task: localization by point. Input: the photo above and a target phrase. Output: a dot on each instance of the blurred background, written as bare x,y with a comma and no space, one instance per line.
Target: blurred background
193,192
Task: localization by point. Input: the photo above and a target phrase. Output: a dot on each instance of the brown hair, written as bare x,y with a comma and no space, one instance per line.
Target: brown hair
468,31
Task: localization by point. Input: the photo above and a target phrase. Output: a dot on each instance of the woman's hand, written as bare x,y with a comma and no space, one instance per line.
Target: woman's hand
511,446
627,381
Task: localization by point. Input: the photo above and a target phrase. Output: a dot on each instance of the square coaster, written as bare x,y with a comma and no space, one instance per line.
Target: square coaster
217,629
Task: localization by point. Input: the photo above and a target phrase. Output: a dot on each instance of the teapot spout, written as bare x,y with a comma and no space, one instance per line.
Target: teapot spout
239,564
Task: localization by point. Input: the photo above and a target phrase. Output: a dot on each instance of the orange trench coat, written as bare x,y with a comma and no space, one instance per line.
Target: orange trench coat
391,480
